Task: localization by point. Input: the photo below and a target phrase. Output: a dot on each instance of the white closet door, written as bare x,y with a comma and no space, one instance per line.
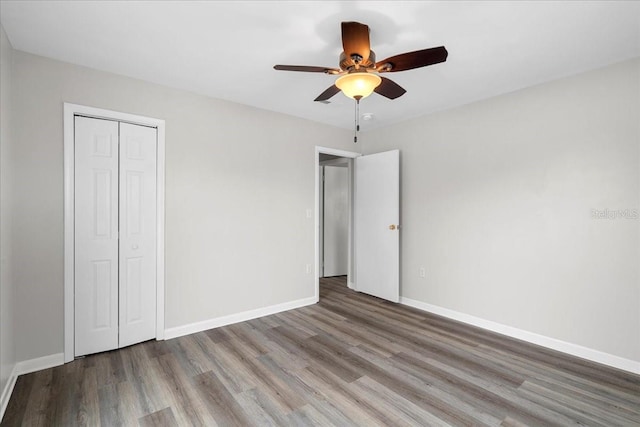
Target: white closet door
96,235
137,234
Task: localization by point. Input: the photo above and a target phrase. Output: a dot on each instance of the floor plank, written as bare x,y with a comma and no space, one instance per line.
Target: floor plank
163,417
349,360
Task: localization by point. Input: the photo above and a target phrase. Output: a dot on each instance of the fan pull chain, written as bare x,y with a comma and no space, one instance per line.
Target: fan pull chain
357,121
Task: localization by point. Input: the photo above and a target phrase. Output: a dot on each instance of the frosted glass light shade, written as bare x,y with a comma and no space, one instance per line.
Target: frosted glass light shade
358,84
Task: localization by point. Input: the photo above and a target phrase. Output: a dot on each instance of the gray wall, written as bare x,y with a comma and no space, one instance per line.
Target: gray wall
7,345
497,204
238,183
497,200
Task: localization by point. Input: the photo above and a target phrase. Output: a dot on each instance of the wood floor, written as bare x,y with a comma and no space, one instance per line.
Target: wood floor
349,360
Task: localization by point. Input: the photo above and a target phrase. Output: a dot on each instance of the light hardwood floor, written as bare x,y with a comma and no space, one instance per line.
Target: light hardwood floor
349,360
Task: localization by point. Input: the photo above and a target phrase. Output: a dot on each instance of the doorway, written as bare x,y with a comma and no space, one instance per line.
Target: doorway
373,254
335,246
114,230
334,215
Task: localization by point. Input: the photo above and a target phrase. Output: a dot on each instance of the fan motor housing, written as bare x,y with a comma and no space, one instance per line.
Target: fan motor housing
346,63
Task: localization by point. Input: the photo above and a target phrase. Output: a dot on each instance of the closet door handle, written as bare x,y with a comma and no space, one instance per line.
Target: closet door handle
134,247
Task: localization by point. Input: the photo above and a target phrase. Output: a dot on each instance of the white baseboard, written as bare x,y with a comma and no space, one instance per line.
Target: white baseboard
551,343
8,389
26,367
192,328
45,362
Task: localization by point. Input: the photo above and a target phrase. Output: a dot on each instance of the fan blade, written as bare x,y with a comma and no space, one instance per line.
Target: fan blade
306,68
355,40
389,89
411,60
331,90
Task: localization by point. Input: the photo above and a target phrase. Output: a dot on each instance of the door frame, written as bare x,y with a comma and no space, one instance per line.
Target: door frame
70,111
320,221
351,279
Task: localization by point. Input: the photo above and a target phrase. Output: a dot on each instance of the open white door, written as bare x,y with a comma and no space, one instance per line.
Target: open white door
377,217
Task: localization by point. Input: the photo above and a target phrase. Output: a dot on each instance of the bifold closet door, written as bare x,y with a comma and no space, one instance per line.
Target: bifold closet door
96,235
115,234
137,290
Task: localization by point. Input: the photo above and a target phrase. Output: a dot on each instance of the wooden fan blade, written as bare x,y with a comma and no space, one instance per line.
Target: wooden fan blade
389,89
306,68
411,60
331,90
355,40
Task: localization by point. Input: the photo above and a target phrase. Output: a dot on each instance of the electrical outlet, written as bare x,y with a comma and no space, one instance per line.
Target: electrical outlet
423,272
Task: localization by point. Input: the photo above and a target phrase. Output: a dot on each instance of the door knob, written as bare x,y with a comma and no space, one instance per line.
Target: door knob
392,227
134,246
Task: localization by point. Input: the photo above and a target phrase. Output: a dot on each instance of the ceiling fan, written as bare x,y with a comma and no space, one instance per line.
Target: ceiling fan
359,71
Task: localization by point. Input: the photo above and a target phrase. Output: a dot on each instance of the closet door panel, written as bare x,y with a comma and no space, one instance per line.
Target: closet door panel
137,245
96,235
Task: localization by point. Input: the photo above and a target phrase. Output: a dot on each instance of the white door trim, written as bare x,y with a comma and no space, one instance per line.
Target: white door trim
341,153
71,110
320,221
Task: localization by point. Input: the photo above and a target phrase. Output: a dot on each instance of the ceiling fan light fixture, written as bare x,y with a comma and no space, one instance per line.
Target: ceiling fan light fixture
358,85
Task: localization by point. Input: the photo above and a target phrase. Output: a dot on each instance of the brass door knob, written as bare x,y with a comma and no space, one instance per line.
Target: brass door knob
392,227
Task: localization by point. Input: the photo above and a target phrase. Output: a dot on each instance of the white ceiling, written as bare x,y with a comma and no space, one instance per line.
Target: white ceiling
226,49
